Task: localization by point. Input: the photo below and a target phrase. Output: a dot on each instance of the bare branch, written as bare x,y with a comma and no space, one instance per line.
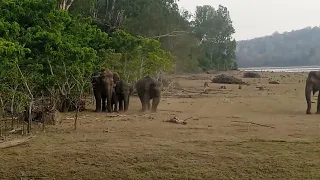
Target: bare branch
172,34
69,4
16,142
24,82
249,122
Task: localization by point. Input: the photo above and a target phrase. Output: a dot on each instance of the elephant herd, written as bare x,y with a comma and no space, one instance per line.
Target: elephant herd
108,87
113,94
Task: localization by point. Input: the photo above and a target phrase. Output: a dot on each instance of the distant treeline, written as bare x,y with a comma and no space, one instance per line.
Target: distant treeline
295,48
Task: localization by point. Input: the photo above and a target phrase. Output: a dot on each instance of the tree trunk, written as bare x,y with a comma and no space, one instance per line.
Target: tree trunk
30,115
65,4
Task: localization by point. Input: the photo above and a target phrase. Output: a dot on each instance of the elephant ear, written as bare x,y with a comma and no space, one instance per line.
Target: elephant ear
107,73
116,77
130,89
95,79
119,86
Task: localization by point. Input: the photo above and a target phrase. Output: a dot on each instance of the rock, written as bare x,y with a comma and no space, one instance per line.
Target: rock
274,82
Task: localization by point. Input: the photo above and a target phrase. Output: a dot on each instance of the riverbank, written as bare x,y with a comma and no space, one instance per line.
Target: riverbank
232,133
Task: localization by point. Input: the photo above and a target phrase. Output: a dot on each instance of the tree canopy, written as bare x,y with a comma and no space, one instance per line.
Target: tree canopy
295,48
202,39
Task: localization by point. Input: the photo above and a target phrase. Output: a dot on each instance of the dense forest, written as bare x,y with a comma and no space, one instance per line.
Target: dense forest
295,48
196,40
51,48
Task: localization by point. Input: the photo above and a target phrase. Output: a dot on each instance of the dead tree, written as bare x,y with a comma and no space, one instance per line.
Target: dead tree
30,104
65,4
205,86
110,14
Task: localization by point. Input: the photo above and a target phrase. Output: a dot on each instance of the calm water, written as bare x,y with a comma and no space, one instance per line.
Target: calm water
283,69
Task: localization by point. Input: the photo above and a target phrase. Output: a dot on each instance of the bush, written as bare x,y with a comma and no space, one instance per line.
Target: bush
251,75
226,79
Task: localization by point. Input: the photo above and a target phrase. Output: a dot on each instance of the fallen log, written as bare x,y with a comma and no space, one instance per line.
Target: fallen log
16,142
248,122
177,121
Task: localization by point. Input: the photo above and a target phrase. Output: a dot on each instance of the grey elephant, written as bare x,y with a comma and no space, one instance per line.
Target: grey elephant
312,84
147,89
102,84
121,96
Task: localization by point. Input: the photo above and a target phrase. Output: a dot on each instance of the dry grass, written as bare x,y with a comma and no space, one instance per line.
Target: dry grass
210,146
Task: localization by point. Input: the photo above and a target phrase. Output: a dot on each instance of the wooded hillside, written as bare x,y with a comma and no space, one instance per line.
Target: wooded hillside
295,48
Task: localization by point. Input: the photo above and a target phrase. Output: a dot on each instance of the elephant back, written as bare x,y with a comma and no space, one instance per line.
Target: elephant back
148,84
122,87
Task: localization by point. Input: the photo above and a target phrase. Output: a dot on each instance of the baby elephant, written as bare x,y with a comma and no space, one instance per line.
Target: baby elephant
147,89
121,95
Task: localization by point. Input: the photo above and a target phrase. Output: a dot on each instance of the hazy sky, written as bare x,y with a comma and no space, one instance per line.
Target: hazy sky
254,18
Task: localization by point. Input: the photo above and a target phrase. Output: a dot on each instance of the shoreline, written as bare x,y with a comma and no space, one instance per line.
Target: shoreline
282,69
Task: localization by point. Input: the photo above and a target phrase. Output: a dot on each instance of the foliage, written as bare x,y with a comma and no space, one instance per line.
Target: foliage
172,26
295,48
10,53
47,51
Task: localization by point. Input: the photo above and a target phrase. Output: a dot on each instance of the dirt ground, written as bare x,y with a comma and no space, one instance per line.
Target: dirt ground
216,143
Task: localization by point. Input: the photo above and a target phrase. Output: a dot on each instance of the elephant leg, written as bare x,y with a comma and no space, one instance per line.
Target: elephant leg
144,101
149,105
155,103
121,104
308,90
114,102
103,103
141,100
318,104
98,101
126,102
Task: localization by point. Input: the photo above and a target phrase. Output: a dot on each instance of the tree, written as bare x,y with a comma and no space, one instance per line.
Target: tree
138,17
214,30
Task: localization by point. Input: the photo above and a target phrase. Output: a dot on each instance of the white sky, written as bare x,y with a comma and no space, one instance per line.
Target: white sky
255,18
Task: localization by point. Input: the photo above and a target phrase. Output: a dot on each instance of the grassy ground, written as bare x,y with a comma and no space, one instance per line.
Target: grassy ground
213,144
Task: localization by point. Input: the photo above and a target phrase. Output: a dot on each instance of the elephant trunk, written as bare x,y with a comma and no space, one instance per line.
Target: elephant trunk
308,90
109,99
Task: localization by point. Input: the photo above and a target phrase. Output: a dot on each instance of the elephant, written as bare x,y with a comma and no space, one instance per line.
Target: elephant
121,96
102,84
147,89
312,84
116,78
